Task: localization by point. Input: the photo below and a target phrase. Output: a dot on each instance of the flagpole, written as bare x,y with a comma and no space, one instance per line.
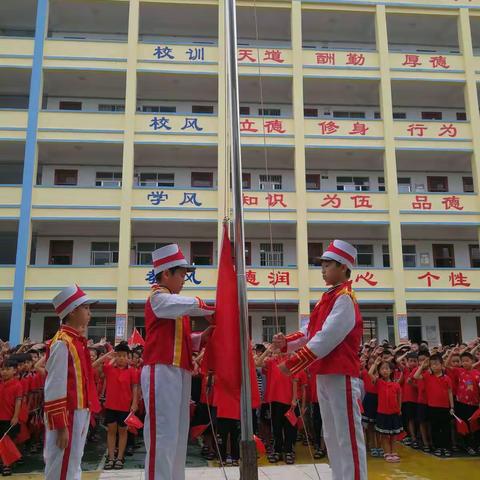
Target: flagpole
248,465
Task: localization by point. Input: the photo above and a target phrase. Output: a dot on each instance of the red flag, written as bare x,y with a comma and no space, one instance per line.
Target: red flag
222,354
291,417
197,430
8,451
261,450
133,421
462,427
136,338
473,421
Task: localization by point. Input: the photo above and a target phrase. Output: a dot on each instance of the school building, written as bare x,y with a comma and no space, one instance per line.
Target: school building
359,120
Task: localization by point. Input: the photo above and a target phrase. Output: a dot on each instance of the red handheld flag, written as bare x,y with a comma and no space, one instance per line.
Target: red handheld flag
133,421
197,430
8,451
136,338
461,426
261,450
291,417
474,421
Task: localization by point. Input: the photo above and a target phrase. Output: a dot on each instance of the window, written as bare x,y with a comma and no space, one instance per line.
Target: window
377,116
343,114
144,251
61,252
404,184
391,330
443,256
70,105
313,181
201,253
468,184
66,177
364,255
431,115
310,112
149,179
450,330
271,255
202,179
353,184
415,329
158,109
386,256
246,181
409,256
104,253
150,108
106,107
399,115
270,182
248,253
315,251
269,112
100,327
244,110
437,184
461,116
474,256
108,179
381,184
270,327
369,329
205,109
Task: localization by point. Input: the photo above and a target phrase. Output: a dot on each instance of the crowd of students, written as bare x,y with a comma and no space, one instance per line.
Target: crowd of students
410,390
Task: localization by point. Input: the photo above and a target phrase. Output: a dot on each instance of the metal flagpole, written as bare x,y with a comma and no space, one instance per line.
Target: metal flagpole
248,465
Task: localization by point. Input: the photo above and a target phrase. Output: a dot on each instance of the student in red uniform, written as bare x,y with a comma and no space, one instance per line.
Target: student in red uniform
388,422
468,397
370,405
409,398
422,406
281,394
121,399
438,387
11,393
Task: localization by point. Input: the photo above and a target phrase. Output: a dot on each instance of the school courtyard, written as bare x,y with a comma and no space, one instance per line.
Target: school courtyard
414,465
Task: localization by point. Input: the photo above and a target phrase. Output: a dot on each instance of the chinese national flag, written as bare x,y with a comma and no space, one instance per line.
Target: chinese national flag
8,451
136,338
222,354
461,426
474,420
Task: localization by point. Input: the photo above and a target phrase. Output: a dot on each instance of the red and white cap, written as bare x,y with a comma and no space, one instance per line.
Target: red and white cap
341,252
68,299
168,257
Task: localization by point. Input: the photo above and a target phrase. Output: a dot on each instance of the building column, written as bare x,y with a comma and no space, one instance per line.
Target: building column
300,183
127,174
17,320
223,157
471,96
390,167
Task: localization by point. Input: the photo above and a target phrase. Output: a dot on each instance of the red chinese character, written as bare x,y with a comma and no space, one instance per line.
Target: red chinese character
421,203
429,276
357,59
359,128
449,130
251,277
247,126
273,126
368,277
274,198
325,58
246,54
273,55
279,277
416,129
439,61
411,61
452,202
334,200
249,201
328,127
458,280
361,201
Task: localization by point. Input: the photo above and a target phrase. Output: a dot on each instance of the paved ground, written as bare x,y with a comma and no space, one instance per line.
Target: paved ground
414,465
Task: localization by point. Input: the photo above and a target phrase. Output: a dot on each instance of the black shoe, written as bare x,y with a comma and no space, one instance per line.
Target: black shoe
129,451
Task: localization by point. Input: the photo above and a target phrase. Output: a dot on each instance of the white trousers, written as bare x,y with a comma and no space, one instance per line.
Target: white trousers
338,397
65,464
166,392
